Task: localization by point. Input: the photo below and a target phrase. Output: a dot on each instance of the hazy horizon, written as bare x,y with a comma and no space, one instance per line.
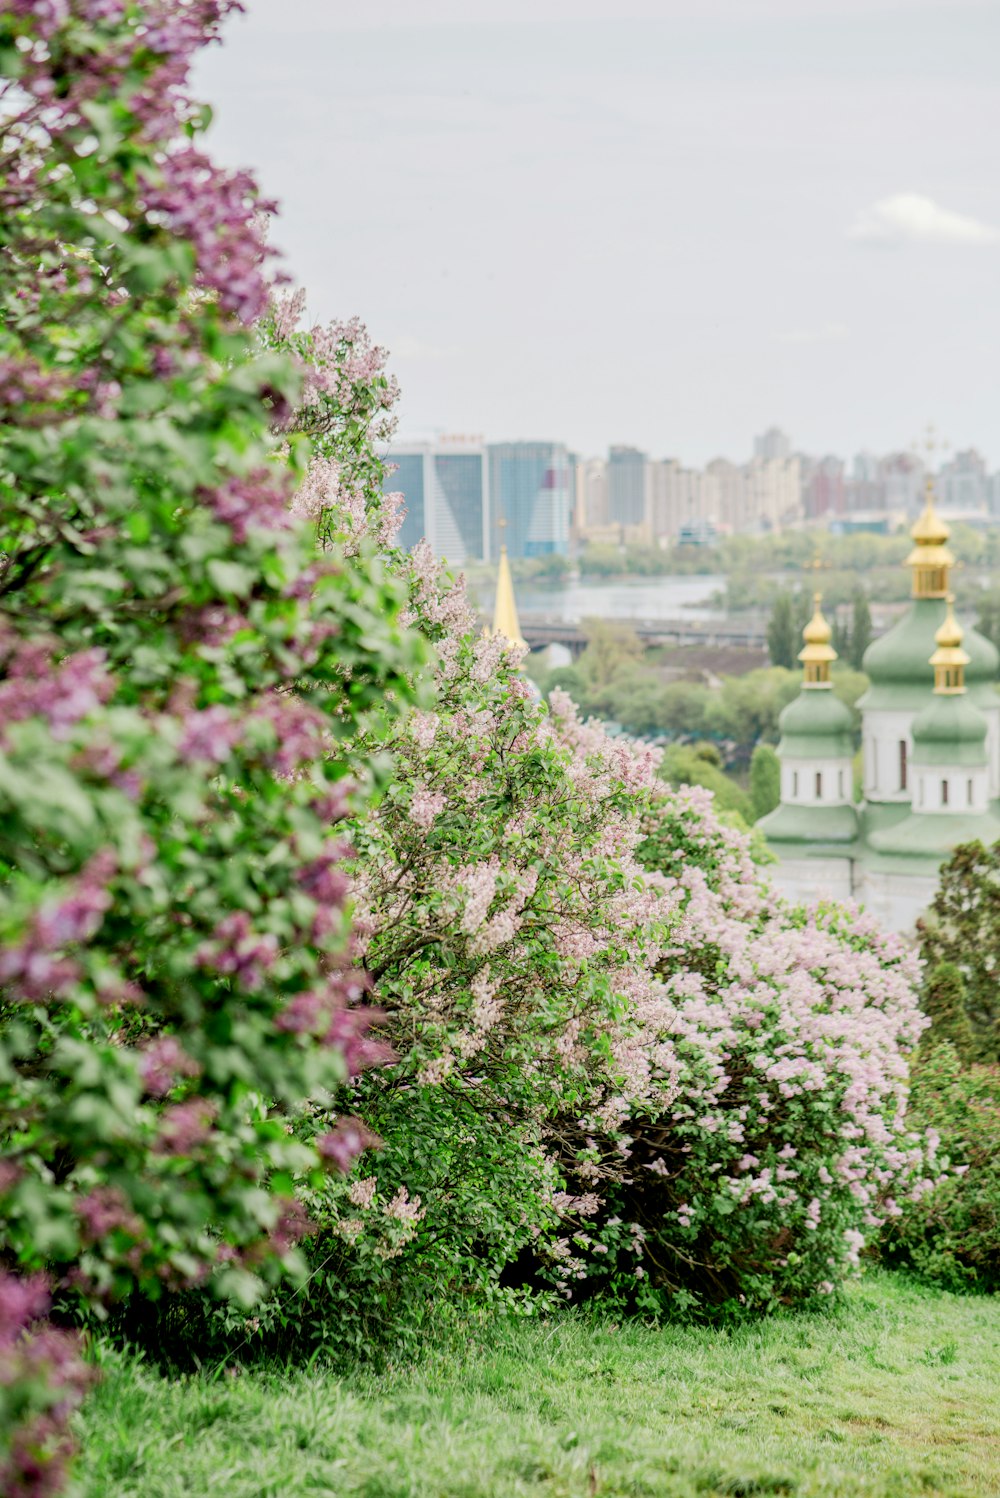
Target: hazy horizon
670,228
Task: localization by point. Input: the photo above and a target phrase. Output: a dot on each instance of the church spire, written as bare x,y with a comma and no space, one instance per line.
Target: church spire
505,620
949,659
818,654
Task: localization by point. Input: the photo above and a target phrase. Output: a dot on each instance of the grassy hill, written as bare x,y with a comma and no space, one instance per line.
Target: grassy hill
891,1395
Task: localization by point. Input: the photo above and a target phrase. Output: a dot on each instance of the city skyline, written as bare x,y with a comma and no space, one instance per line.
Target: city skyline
458,491
476,437
614,219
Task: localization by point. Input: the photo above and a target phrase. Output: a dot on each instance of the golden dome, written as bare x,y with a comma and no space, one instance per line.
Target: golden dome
950,633
949,659
930,529
817,631
930,557
818,653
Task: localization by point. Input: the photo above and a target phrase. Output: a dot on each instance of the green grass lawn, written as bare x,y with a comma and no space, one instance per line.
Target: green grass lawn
896,1395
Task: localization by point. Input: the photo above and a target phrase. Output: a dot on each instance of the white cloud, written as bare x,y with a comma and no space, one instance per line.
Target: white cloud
828,332
909,216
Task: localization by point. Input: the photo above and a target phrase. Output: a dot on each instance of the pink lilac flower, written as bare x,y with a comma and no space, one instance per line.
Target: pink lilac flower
342,1145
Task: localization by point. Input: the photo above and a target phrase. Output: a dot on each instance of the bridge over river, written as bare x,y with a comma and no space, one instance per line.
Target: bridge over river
749,633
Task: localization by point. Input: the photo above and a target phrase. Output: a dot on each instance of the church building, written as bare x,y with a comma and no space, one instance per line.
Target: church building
930,753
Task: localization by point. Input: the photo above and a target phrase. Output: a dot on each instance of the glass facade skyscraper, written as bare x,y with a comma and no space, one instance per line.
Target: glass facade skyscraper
446,492
531,493
409,479
626,486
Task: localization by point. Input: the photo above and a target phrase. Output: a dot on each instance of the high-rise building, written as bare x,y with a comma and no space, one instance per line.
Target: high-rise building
590,507
902,479
865,490
669,502
730,484
963,485
446,489
772,444
774,492
531,493
627,490
824,487
681,499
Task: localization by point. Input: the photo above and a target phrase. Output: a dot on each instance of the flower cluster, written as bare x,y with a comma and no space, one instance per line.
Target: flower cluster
581,978
181,673
42,1381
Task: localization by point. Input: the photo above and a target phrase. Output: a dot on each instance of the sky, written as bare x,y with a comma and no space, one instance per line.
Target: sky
669,223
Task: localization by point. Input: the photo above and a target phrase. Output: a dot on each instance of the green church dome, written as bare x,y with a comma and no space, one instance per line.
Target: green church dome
816,724
900,656
810,824
934,837
950,730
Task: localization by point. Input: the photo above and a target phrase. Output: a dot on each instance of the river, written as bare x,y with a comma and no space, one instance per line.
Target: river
638,599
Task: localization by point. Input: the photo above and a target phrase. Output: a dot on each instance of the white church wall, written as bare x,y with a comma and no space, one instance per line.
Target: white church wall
895,900
816,782
883,732
940,788
809,879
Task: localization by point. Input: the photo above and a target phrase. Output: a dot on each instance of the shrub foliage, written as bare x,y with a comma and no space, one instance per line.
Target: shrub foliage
619,1062
952,1235
963,929
177,671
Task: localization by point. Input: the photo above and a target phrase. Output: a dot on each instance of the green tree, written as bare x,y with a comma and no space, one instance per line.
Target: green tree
602,561
765,780
944,1003
638,703
746,708
988,615
841,639
782,634
861,629
963,928
612,649
687,764
951,1235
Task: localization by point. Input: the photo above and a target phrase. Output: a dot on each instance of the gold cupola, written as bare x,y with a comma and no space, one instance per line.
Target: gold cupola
818,654
930,558
949,659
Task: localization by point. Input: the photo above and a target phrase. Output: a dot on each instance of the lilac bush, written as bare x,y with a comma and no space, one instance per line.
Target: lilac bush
618,1058
182,677
42,1380
781,1144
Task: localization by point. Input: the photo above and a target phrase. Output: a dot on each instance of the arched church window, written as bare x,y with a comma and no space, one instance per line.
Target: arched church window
968,793
840,783
795,782
819,784
944,793
902,764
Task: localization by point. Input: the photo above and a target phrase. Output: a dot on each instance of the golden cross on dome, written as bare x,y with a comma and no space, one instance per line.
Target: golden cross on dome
929,443
924,448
